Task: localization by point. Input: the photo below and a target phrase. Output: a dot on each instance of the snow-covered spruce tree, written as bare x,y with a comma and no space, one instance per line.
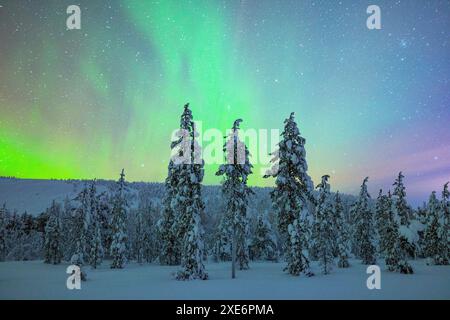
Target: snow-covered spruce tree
401,208
383,216
235,190
422,220
69,239
104,214
188,203
289,198
364,226
53,238
297,262
118,224
433,242
444,231
342,241
264,244
81,221
96,256
403,214
324,238
395,256
95,243
169,232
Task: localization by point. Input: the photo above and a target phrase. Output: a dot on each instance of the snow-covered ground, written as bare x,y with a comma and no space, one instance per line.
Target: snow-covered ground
36,280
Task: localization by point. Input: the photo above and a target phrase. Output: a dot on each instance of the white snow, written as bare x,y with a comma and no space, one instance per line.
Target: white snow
265,280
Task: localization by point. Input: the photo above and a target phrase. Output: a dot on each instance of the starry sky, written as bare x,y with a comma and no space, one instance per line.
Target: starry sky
85,103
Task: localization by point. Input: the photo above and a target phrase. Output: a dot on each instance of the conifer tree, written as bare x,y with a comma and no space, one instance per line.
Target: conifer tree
81,225
97,252
69,239
119,231
297,262
188,203
395,255
343,250
444,233
324,237
401,207
422,220
169,230
433,241
96,246
364,226
383,216
403,214
235,190
291,194
264,245
53,238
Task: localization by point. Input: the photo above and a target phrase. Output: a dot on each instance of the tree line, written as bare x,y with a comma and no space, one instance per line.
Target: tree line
312,223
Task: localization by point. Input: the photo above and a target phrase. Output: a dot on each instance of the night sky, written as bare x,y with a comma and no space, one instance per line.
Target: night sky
85,103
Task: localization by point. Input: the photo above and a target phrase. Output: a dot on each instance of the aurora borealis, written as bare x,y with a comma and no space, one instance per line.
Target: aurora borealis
85,103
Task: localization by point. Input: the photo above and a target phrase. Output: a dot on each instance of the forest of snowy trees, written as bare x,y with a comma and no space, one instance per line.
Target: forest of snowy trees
184,223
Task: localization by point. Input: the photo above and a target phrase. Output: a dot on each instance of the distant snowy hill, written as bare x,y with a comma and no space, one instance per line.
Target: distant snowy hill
34,196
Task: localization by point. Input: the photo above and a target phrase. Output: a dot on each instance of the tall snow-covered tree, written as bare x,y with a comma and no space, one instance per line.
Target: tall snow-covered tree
53,238
95,244
444,231
403,214
383,216
422,225
293,188
104,215
402,210
364,226
291,194
81,221
293,184
169,232
390,242
188,174
433,242
236,170
119,231
264,243
342,240
324,237
69,239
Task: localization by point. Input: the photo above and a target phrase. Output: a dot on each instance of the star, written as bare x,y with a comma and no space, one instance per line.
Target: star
403,43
